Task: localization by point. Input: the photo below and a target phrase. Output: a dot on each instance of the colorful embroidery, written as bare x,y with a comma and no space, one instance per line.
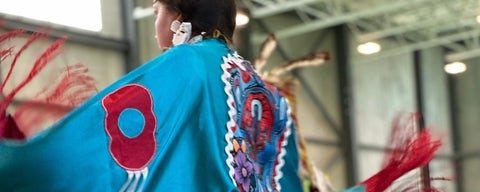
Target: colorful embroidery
257,129
132,139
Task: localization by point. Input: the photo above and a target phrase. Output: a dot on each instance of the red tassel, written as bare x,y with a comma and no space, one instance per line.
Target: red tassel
53,102
411,150
10,35
29,42
4,37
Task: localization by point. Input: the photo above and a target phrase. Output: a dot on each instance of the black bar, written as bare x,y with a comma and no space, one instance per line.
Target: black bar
322,142
469,155
417,70
383,149
129,27
455,130
342,43
86,38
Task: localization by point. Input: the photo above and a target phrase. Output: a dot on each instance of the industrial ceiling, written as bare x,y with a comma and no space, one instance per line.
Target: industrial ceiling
407,25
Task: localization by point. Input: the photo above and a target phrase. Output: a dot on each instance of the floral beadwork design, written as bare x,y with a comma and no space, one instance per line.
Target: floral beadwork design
257,129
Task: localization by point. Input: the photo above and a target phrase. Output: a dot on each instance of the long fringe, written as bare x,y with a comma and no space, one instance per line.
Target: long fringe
53,101
412,149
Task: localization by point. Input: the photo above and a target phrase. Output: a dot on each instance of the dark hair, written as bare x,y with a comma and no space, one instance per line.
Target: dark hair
206,15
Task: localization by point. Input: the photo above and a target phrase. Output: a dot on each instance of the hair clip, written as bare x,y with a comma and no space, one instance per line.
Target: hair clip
182,32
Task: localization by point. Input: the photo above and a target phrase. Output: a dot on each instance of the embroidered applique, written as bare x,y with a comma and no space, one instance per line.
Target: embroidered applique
258,127
130,124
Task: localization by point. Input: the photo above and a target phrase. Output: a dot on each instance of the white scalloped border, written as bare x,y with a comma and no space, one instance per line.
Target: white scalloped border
283,152
231,114
237,60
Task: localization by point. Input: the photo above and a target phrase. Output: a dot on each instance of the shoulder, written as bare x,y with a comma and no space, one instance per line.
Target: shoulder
180,53
190,60
177,61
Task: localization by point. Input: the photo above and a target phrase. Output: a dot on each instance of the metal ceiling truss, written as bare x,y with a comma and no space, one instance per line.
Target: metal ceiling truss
406,25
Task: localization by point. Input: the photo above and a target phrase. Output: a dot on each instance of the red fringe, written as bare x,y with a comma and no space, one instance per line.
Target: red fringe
73,88
53,102
6,36
10,34
30,40
411,150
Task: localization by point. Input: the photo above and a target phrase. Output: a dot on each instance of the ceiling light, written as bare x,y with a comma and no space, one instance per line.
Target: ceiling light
242,19
369,48
455,67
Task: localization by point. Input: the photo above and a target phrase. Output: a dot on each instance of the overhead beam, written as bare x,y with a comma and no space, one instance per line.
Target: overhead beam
279,8
314,12
339,19
421,45
391,31
456,47
464,55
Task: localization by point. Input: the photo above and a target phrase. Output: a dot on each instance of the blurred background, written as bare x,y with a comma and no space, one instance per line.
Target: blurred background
387,57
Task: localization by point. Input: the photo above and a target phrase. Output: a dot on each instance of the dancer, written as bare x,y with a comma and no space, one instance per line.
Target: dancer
196,118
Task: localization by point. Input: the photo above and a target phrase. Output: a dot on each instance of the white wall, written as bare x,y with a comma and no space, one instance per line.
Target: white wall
105,65
467,97
111,16
382,89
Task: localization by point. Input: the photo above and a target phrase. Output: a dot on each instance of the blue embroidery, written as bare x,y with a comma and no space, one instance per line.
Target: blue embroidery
260,123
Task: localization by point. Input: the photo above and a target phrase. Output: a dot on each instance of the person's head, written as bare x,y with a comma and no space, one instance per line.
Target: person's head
209,16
